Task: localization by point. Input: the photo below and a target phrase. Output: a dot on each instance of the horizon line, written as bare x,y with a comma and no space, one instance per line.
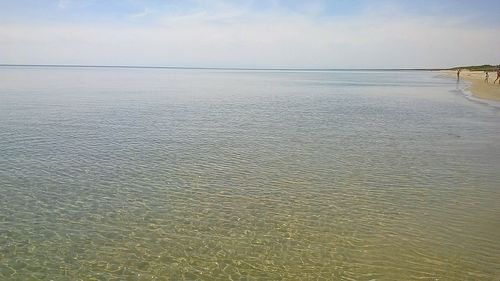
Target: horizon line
220,68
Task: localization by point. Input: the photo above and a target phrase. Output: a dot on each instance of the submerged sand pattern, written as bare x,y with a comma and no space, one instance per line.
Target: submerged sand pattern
146,175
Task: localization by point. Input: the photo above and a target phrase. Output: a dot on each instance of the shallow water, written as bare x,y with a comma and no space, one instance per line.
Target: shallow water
157,174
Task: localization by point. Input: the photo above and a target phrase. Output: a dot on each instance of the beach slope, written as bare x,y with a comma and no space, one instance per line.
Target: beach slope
479,87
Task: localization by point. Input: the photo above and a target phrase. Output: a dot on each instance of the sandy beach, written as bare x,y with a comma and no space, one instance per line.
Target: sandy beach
479,87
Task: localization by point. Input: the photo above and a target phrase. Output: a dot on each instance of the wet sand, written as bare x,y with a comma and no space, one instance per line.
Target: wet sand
479,87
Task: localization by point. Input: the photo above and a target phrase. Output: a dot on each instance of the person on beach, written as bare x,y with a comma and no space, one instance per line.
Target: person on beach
486,76
458,73
498,75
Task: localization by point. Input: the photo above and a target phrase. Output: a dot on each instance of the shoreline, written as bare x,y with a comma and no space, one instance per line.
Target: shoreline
478,87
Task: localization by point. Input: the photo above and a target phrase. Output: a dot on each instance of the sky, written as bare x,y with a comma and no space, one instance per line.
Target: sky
251,33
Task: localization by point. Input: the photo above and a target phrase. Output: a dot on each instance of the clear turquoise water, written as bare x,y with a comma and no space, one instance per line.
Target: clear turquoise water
155,174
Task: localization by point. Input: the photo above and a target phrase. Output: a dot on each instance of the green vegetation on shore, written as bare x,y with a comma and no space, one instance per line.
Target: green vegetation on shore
484,67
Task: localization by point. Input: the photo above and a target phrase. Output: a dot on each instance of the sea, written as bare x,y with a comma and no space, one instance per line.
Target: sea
218,174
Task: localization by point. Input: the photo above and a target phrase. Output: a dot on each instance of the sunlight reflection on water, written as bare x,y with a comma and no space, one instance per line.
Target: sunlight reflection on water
136,174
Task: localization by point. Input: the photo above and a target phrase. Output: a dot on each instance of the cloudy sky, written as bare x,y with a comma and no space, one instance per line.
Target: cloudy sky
255,34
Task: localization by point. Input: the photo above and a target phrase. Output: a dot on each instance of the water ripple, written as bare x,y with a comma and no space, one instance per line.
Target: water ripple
245,176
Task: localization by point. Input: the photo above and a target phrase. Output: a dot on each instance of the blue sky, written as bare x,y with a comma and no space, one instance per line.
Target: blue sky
245,33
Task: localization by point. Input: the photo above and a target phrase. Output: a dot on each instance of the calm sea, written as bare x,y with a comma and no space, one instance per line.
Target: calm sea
164,174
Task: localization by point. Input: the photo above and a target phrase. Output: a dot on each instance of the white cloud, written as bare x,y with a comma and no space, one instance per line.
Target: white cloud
63,4
145,12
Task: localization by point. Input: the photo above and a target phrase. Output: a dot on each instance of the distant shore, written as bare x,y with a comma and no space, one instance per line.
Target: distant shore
479,88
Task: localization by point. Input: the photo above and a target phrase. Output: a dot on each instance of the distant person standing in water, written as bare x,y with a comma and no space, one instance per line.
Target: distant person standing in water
486,76
458,73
